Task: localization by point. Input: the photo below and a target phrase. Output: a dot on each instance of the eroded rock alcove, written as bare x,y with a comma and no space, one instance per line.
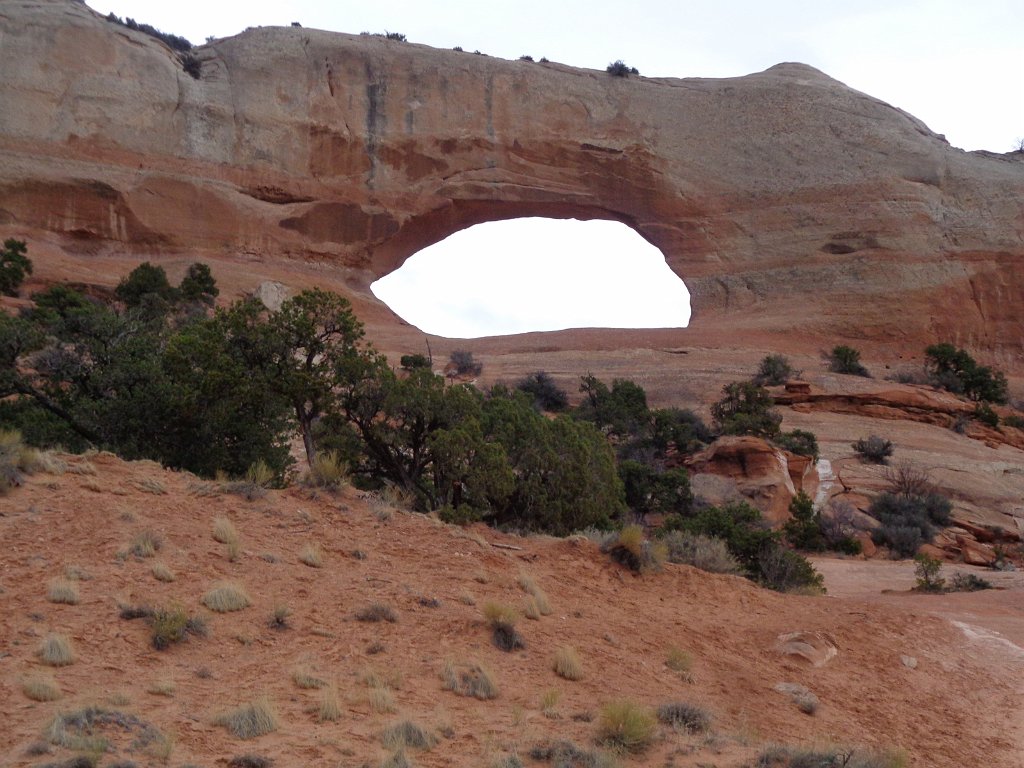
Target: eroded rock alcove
786,199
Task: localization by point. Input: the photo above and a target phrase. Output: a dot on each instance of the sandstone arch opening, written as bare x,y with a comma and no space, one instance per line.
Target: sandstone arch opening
536,274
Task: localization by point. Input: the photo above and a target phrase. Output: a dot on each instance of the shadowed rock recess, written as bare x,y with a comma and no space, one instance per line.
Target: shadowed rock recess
783,198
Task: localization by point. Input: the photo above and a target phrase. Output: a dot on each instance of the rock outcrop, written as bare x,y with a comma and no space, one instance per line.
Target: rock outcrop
782,198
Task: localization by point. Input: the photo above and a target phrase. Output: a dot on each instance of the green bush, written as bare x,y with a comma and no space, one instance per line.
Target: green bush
198,283
955,370
704,552
464,363
146,283
626,725
618,68
874,449
14,266
412,362
844,359
800,442
927,570
908,520
773,370
547,396
983,412
803,529
746,409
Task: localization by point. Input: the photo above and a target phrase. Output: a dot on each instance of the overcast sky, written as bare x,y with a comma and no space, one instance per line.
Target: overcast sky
955,64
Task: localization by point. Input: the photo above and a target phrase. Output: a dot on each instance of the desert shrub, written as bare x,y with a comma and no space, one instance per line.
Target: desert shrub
412,362
739,524
226,597
41,688
968,582
784,570
14,266
173,41
224,531
146,285
844,359
312,555
649,490
397,36
191,64
502,620
905,479
798,757
250,761
619,68
329,706
803,529
474,680
746,409
162,572
464,364
626,725
377,611
526,57
531,588
279,617
62,591
1013,420
565,754
874,449
908,520
172,625
955,370
198,284
679,661
406,733
685,716
773,370
248,721
927,569
567,663
632,549
983,412
547,396
800,442
700,551
14,458
56,650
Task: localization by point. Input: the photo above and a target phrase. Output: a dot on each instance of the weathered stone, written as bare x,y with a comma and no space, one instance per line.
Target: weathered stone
817,648
784,198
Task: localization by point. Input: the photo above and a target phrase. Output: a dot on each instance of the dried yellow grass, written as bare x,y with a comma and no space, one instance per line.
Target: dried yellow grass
56,650
161,688
312,555
62,591
248,721
567,663
306,677
329,708
381,701
162,573
224,531
41,688
225,597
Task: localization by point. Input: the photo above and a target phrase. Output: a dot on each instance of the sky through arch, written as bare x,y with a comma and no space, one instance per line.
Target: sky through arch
536,274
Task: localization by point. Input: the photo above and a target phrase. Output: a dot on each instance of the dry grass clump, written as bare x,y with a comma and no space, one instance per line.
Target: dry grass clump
248,721
502,620
328,471
329,707
312,555
685,717
62,591
226,597
161,688
146,544
406,733
17,460
224,531
162,573
398,760
800,757
381,701
250,761
76,573
549,703
56,650
279,617
305,677
626,725
540,599
377,611
567,663
41,688
565,754
151,485
680,662
254,485
474,680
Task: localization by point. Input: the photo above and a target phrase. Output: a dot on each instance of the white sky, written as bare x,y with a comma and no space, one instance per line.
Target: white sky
955,64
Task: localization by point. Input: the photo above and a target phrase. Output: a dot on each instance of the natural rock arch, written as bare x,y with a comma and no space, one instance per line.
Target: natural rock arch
784,198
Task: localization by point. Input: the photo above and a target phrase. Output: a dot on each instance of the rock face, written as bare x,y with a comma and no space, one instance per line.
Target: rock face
782,198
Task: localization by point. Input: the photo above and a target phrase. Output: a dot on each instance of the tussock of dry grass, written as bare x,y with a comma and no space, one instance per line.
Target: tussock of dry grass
161,688
381,701
474,680
549,703
305,677
502,619
312,555
567,663
62,591
377,612
685,716
162,573
250,720
56,650
146,544
329,707
540,599
226,597
406,733
224,531
625,725
41,688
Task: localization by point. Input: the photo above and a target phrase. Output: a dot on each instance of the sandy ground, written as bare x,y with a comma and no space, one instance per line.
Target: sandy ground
962,700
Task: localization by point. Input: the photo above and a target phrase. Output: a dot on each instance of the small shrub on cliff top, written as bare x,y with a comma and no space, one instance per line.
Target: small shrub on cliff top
874,449
773,370
619,68
844,359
